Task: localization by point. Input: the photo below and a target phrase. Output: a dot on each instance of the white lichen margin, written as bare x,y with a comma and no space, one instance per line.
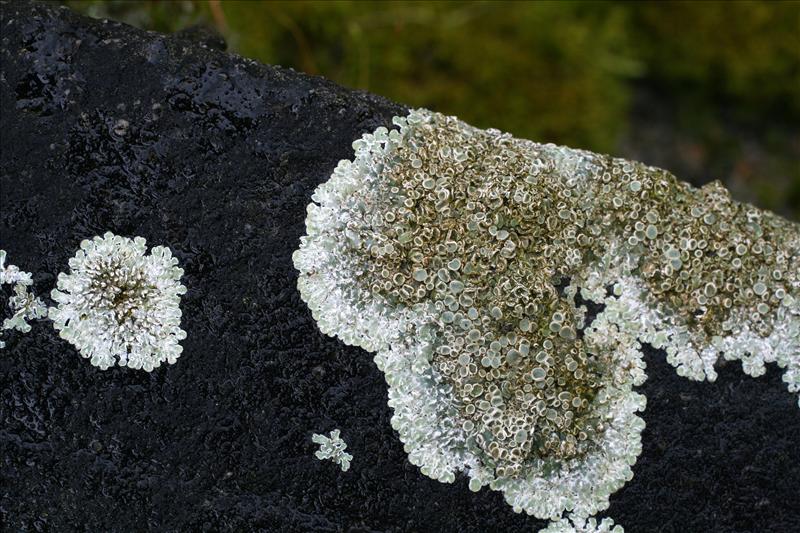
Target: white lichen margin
439,248
582,525
332,448
120,306
24,304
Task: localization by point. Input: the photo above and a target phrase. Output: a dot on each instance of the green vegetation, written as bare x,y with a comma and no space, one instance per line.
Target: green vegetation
566,72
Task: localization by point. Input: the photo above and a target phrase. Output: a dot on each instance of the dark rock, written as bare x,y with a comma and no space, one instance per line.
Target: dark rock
202,35
107,128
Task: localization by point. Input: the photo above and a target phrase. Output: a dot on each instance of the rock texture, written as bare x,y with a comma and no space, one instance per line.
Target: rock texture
108,128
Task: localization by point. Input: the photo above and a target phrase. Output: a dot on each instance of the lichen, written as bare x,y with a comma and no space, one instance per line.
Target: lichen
469,260
119,305
332,448
11,274
582,525
24,303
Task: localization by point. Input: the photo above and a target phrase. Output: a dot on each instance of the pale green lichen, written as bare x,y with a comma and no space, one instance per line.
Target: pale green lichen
26,306
582,525
332,448
120,306
461,256
11,274
24,303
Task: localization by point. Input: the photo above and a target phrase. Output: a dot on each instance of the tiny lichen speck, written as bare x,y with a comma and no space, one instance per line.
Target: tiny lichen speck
332,448
469,260
119,305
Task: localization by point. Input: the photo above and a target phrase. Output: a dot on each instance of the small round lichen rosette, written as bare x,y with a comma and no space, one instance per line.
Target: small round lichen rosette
119,305
505,287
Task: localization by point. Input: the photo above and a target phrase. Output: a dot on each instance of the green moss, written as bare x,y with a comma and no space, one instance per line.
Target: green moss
748,52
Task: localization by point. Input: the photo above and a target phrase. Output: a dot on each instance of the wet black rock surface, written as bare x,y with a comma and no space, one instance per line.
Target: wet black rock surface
108,128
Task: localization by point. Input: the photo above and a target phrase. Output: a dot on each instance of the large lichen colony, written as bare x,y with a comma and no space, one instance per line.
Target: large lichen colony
506,287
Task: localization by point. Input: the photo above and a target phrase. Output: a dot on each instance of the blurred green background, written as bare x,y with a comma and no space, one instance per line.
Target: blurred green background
708,90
